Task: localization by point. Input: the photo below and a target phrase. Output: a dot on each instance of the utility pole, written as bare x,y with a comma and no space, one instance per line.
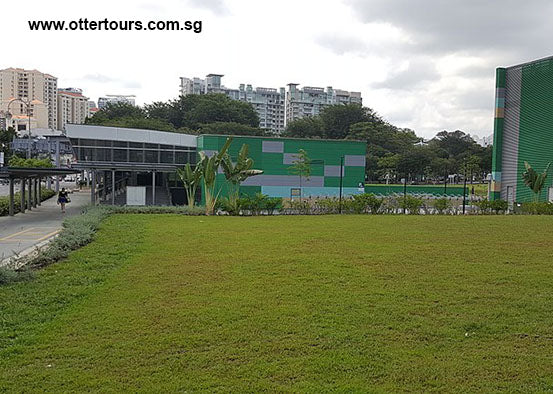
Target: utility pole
464,186
341,181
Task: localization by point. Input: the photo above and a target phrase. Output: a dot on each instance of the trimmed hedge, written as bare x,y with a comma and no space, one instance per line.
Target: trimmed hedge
5,201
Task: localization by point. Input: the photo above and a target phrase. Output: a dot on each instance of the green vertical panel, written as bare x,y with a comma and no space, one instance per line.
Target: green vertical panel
500,79
536,124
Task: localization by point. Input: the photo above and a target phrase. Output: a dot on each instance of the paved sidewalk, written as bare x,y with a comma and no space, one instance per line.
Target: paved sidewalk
24,230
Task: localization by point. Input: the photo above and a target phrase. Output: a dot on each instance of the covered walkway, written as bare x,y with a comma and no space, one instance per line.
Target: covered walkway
30,184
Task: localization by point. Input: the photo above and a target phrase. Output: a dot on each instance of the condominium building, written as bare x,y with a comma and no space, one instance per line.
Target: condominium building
31,86
114,99
72,107
310,101
275,107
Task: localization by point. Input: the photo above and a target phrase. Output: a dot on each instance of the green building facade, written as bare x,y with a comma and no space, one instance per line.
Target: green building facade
275,157
523,129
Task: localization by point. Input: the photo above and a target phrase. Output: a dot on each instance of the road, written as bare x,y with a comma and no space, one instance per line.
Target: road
24,230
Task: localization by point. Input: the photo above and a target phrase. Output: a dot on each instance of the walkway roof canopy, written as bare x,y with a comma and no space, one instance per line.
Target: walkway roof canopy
35,172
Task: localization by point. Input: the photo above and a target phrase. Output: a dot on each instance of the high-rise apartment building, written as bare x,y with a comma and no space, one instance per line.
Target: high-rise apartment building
31,86
309,101
114,99
275,107
72,107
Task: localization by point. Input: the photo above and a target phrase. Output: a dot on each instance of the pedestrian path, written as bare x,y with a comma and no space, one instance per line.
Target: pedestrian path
25,230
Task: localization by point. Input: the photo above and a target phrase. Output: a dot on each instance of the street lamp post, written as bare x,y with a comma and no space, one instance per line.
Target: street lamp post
28,109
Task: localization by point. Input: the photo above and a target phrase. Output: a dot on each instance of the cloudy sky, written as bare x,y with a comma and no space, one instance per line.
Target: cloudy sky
423,64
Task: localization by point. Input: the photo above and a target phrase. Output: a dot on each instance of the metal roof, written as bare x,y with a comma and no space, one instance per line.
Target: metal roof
26,172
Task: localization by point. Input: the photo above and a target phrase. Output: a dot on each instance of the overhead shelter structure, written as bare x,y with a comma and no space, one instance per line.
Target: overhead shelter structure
114,158
30,180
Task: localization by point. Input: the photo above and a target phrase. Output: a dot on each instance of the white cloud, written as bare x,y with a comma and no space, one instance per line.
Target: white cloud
425,65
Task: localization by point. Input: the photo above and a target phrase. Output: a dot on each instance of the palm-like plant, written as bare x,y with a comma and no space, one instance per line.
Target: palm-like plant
209,167
191,178
534,180
235,173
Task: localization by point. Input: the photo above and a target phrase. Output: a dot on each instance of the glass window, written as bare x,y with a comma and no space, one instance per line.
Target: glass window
87,142
151,146
120,144
166,156
181,157
136,156
135,145
86,154
103,154
120,155
103,143
151,156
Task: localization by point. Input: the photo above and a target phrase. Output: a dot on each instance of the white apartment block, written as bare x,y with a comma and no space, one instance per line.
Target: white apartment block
275,107
31,86
114,99
72,107
310,101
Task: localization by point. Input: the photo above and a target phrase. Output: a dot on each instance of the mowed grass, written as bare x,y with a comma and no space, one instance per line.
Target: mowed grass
162,303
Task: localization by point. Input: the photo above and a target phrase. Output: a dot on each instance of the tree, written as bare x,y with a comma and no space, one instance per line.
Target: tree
191,178
337,119
209,167
236,173
301,166
116,111
309,127
193,110
229,128
6,137
534,180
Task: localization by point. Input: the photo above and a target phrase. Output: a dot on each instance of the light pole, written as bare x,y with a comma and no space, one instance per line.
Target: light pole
28,108
341,182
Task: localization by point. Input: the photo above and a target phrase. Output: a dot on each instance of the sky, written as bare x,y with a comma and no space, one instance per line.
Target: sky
428,65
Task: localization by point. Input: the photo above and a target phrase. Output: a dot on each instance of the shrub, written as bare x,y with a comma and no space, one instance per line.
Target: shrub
411,204
8,276
484,205
537,208
499,205
442,205
16,161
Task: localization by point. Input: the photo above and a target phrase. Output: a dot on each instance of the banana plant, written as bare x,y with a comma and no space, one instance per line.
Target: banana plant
191,178
534,180
236,173
209,167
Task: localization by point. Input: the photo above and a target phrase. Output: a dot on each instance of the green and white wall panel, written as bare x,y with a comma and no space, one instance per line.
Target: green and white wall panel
523,128
275,157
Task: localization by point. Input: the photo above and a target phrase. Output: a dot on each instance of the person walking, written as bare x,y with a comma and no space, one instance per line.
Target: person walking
63,198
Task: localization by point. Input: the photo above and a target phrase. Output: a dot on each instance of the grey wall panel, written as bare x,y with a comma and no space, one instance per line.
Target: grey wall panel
509,167
288,158
354,160
272,147
283,180
333,170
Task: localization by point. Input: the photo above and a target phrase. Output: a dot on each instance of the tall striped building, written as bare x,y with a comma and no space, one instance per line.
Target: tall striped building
523,129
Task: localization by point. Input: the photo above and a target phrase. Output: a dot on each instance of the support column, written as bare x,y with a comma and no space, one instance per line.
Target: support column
112,187
22,195
35,193
11,207
93,187
30,195
104,185
57,165
39,191
153,188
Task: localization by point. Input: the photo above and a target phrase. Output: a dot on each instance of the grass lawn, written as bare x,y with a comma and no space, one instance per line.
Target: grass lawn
312,303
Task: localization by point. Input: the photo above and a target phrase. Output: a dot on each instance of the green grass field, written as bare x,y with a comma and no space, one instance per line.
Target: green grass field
307,303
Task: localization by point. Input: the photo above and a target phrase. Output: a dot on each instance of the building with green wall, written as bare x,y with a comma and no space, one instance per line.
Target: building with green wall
523,129
275,157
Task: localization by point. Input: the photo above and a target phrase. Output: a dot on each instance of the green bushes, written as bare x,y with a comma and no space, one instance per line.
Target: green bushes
537,208
442,205
411,204
16,161
251,205
495,206
5,201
